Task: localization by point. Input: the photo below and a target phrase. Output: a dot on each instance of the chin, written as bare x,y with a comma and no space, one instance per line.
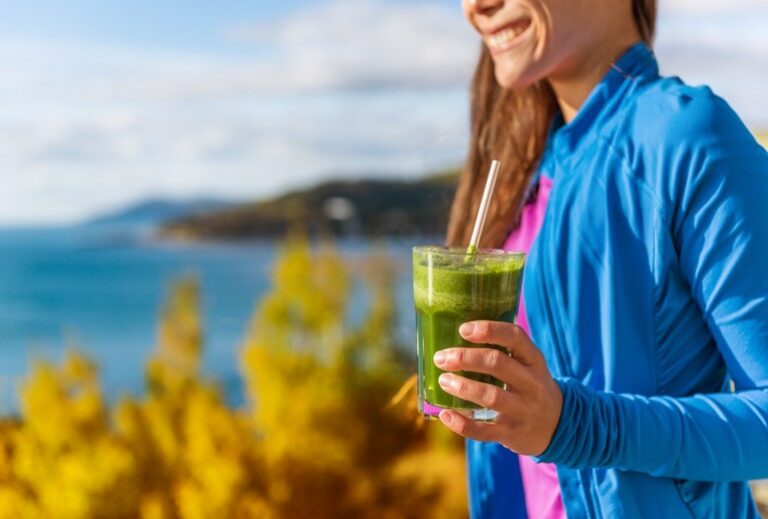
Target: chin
518,72
514,79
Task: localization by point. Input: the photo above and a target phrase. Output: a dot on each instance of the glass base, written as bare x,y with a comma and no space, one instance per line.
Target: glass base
432,412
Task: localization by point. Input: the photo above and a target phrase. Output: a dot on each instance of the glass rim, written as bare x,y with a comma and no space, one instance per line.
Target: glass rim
462,251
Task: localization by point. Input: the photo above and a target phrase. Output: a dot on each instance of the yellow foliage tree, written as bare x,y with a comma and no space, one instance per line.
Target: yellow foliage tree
197,457
320,438
319,391
63,460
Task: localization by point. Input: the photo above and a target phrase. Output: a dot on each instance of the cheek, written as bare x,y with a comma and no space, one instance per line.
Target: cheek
568,29
529,63
468,9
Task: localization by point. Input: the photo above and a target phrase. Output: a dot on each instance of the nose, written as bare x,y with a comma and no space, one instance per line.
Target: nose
486,7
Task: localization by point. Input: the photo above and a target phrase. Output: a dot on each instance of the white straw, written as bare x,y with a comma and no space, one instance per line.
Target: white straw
482,211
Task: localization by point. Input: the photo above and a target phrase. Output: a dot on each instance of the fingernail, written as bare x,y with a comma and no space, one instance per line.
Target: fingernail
446,416
440,358
466,329
444,380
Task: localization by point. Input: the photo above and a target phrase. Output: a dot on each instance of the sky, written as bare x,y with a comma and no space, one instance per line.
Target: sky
104,103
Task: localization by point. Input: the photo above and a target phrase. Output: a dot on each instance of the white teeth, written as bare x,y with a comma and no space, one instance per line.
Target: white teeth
502,37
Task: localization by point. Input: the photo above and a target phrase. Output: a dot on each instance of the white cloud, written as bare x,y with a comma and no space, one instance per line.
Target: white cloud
80,166
369,44
721,44
343,87
334,45
93,126
706,8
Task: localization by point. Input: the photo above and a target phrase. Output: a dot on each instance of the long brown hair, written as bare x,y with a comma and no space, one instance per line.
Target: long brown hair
511,126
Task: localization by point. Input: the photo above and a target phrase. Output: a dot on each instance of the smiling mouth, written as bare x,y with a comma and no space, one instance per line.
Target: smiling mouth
508,36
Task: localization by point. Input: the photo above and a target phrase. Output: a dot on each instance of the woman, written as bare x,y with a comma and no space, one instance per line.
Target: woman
643,391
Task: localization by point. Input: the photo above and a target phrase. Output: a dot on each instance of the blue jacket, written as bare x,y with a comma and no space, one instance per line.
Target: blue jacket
647,292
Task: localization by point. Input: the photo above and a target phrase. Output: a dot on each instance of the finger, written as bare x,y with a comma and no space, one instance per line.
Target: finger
480,393
508,335
480,431
483,360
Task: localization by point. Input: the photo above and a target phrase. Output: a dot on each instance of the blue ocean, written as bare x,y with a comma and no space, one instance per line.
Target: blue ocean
100,290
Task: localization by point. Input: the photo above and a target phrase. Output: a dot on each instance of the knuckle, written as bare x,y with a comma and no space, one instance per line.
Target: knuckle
483,329
495,360
493,397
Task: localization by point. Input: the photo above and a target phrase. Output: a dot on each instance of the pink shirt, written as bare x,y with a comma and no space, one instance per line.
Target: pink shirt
540,483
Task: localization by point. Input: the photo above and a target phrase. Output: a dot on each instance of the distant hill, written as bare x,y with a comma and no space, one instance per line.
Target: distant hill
338,208
158,211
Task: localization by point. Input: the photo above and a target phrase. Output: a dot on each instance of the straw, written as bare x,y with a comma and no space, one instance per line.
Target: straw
482,212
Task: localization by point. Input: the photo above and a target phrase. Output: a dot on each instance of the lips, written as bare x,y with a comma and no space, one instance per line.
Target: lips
507,36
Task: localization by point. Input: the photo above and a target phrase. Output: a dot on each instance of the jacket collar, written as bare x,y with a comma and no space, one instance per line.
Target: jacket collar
634,68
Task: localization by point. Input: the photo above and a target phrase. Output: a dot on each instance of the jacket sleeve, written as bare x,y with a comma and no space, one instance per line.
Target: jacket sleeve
720,227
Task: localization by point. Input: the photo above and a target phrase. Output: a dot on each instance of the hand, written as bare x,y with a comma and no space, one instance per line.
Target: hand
529,409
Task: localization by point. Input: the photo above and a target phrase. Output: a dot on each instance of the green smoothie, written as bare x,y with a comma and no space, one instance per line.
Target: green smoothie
451,288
